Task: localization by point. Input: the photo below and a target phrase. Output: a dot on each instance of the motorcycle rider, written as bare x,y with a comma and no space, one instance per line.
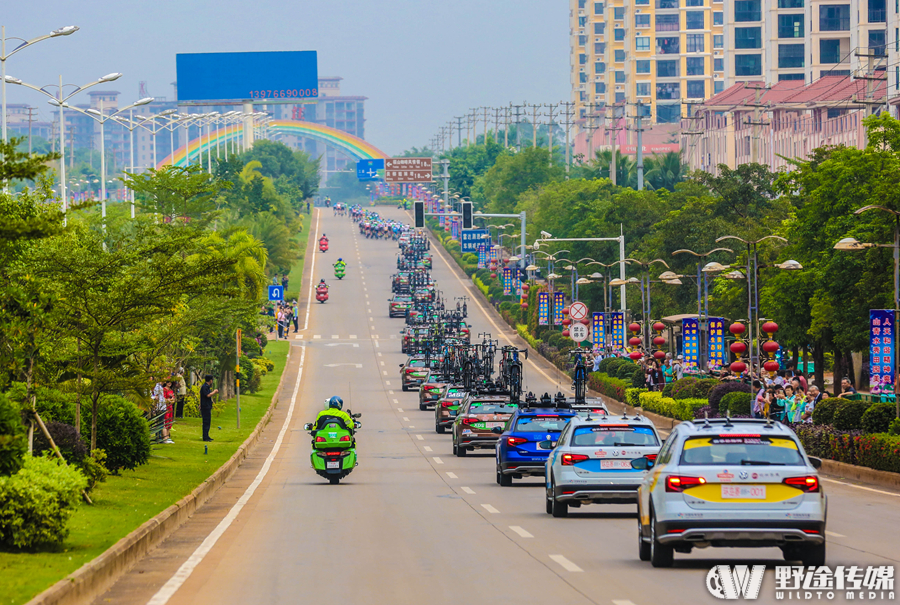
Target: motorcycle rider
334,409
322,285
340,265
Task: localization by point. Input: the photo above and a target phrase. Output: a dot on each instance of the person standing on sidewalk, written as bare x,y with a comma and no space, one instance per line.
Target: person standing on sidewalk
296,315
206,405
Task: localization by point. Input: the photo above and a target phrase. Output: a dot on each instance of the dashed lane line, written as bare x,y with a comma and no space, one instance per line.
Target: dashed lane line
565,563
490,509
468,490
427,449
405,419
452,475
522,533
437,460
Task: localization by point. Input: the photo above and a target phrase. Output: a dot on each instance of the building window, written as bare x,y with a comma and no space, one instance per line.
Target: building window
696,89
695,43
619,55
582,60
791,77
829,51
620,97
582,77
582,40
599,48
619,33
668,91
877,42
642,89
877,12
790,26
599,88
667,23
667,69
666,3
695,66
718,41
790,3
599,29
693,20
747,10
842,73
642,2
748,37
619,13
581,3
599,67
834,17
642,20
668,46
620,77
718,64
668,113
691,3
582,21
642,66
718,86
598,8
790,55
642,43
748,65
718,18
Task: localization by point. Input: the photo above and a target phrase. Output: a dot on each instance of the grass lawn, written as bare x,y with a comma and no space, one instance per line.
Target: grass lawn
126,501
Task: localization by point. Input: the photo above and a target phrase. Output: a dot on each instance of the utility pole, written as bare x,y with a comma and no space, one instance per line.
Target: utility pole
458,130
518,109
551,107
450,131
871,86
31,116
534,124
569,113
444,138
497,111
590,128
485,124
613,130
756,123
639,127
693,133
506,127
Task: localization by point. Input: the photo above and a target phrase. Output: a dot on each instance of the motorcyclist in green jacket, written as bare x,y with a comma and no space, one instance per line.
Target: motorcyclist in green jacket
334,409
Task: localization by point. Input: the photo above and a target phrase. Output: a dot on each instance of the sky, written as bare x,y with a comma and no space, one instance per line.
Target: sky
419,62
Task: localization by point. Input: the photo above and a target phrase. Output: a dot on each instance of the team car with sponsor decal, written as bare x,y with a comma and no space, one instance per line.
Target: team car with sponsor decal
447,407
527,441
477,417
731,482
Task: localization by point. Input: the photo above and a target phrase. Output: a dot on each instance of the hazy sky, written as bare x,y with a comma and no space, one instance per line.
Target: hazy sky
419,62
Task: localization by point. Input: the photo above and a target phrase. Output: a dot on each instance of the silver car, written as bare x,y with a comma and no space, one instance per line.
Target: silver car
592,462
729,482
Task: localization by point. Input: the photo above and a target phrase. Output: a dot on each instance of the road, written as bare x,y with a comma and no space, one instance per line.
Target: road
414,524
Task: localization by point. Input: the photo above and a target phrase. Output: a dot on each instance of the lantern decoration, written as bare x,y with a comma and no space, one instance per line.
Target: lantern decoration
565,332
634,327
738,347
634,341
635,355
737,329
659,355
659,326
738,366
771,366
659,341
770,328
770,348
524,305
565,310
566,322
525,287
586,321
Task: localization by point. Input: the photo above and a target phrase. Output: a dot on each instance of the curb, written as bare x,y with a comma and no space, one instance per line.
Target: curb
94,578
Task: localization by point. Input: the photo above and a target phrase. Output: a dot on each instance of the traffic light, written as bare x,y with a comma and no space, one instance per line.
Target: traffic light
467,215
419,211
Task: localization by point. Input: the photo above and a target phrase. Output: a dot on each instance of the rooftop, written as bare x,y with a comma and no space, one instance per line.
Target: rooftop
827,90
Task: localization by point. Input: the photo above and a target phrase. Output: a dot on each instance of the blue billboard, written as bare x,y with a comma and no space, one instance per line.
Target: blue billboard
471,238
273,77
368,170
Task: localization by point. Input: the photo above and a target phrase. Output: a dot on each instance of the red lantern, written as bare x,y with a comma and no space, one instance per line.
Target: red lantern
770,347
525,287
634,341
586,321
493,276
738,366
659,341
659,355
770,327
737,328
771,366
566,321
738,348
635,355
634,327
659,326
566,333
524,305
565,310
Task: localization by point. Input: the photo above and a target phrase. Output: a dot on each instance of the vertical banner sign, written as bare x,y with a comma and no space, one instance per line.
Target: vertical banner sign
690,343
543,308
507,281
482,256
494,254
598,330
617,330
454,228
441,217
716,340
881,350
559,302
518,282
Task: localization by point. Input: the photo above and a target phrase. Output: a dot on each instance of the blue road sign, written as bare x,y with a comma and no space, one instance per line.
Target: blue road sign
276,293
471,238
367,170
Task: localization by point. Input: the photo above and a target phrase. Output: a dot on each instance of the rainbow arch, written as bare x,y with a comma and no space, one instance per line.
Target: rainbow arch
353,146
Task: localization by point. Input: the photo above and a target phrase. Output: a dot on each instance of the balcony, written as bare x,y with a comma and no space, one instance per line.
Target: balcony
663,4
841,24
747,16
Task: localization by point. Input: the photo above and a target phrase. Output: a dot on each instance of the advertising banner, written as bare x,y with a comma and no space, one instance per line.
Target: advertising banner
482,256
882,336
507,281
543,302
598,330
617,330
454,228
559,303
690,343
716,342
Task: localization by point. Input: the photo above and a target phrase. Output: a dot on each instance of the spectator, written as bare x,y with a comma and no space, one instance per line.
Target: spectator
307,206
284,283
270,311
279,319
847,387
668,371
597,359
778,406
779,378
180,393
169,398
206,405
802,378
759,402
678,367
657,378
814,397
296,315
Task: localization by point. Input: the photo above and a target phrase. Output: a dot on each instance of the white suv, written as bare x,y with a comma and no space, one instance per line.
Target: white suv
729,482
592,462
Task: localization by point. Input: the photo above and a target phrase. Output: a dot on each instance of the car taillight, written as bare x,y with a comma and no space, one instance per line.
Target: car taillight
470,420
570,459
516,441
345,438
320,439
651,457
810,483
446,404
679,483
409,371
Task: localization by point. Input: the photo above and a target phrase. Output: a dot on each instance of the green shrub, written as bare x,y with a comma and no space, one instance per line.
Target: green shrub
13,444
737,403
556,339
93,468
522,329
470,259
680,409
37,501
848,415
683,388
878,418
122,432
703,387
720,390
894,429
604,364
639,379
70,444
605,385
824,411
626,371
52,404
631,396
667,390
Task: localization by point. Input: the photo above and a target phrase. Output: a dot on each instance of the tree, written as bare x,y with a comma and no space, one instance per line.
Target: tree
185,192
515,174
18,164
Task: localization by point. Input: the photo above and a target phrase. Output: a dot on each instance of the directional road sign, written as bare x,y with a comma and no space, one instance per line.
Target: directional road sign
578,311
578,332
276,293
407,170
471,238
367,170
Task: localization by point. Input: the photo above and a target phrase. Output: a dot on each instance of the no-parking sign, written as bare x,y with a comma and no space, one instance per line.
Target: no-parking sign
578,311
578,332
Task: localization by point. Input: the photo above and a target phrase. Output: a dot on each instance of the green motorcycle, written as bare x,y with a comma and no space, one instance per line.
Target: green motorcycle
334,447
339,271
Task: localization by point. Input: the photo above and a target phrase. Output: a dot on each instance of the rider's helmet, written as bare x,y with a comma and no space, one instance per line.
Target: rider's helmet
340,260
323,235
322,281
336,403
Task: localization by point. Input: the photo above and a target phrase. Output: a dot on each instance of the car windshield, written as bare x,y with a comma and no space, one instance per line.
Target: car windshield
615,436
416,363
405,299
541,424
490,407
745,450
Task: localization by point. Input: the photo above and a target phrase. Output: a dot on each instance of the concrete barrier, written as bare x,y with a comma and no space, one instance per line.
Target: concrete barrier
96,577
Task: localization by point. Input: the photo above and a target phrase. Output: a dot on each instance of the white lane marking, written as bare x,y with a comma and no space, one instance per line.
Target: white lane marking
834,534
427,449
353,336
312,272
405,419
490,509
565,563
378,346
868,489
397,401
452,475
522,533
379,353
315,336
387,382
468,490
335,337
187,568
381,362
411,426
384,372
391,393
420,437
437,460
622,602
297,337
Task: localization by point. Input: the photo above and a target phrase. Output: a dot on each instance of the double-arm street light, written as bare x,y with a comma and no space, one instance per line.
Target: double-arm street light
644,282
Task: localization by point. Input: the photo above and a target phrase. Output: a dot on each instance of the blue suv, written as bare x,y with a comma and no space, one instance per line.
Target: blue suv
524,446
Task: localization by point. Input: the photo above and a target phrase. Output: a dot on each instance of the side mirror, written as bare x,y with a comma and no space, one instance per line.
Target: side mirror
497,430
816,462
308,426
357,415
641,464
401,365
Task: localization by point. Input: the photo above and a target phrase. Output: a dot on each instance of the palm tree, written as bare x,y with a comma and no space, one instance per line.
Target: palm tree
664,171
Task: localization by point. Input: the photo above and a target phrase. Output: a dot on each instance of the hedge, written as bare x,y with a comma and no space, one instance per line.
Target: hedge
613,388
631,396
680,409
522,329
13,444
722,389
878,418
848,415
824,412
879,451
737,403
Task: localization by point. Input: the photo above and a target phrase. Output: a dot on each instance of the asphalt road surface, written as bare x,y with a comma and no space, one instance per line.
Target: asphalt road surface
413,524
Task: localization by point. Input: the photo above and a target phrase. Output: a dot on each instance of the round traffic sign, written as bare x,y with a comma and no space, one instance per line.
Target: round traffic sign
578,311
578,332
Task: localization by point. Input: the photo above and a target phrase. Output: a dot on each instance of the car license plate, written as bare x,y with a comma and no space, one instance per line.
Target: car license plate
335,464
743,492
491,425
549,445
615,465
